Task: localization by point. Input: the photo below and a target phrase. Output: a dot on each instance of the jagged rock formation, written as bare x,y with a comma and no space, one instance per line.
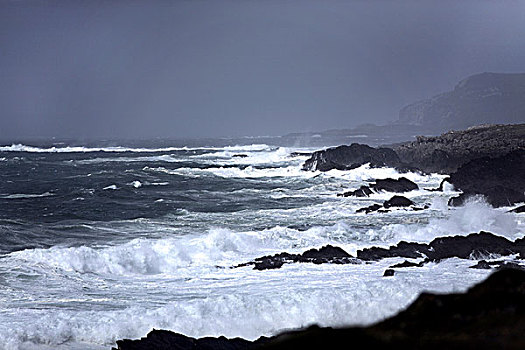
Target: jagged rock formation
394,202
351,157
481,98
464,247
327,254
490,315
388,185
446,153
501,180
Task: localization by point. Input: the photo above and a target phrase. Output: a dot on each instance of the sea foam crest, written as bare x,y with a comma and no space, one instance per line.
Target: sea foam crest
81,149
169,255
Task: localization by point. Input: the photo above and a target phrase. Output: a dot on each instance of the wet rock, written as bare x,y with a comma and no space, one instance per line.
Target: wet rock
325,255
389,273
369,209
363,191
240,156
398,201
402,249
406,263
474,245
392,185
351,157
482,265
167,340
520,209
499,180
388,185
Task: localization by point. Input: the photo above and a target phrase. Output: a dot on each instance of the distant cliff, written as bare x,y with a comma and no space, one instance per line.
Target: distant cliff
481,98
447,152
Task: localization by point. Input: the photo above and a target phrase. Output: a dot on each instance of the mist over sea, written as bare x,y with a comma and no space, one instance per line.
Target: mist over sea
101,241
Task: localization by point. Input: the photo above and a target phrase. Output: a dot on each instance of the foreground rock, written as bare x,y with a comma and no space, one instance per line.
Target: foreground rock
501,180
166,340
388,185
446,153
351,157
490,315
327,254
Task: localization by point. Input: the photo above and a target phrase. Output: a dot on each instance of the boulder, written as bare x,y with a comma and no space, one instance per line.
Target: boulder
350,157
388,185
499,180
397,201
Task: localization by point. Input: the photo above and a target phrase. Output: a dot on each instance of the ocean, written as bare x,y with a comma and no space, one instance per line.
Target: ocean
104,241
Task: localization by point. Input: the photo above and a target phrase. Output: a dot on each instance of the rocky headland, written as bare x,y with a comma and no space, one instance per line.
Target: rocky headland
486,160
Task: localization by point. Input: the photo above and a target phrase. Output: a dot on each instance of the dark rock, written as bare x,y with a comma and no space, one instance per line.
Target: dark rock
300,154
389,273
240,156
325,255
363,191
520,209
406,263
446,153
369,209
350,157
499,180
167,340
389,185
471,246
402,249
482,264
475,245
392,185
398,201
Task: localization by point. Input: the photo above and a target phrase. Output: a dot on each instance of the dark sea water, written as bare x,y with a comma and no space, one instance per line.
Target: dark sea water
102,241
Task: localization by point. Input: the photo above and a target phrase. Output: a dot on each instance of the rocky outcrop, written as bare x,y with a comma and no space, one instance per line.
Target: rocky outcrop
394,202
446,153
351,157
500,179
388,185
166,340
325,255
490,315
475,245
481,98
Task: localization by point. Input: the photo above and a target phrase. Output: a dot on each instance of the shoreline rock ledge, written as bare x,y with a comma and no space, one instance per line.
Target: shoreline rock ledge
490,315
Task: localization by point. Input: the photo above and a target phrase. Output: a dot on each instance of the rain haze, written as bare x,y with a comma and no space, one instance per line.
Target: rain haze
144,69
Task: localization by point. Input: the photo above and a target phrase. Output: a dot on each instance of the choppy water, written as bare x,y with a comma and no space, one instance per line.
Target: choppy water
99,243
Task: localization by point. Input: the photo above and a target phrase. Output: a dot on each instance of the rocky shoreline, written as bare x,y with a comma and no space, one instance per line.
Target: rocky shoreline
487,161
490,315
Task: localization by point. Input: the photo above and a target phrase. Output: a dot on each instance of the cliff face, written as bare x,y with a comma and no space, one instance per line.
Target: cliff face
481,98
446,153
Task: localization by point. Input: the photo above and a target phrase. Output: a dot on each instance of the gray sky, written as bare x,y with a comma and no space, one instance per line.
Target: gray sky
215,68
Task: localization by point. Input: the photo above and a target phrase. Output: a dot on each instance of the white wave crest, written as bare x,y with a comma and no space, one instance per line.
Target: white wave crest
80,149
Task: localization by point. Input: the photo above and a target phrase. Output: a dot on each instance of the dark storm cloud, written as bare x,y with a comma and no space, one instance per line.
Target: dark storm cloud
211,68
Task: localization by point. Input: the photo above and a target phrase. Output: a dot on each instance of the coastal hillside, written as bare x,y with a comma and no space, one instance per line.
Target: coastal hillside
481,98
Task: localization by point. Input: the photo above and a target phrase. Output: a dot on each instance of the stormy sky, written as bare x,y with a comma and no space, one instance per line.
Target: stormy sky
140,69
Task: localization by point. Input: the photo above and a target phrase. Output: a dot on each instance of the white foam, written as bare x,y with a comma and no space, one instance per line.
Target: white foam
111,187
476,215
81,149
227,172
26,195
